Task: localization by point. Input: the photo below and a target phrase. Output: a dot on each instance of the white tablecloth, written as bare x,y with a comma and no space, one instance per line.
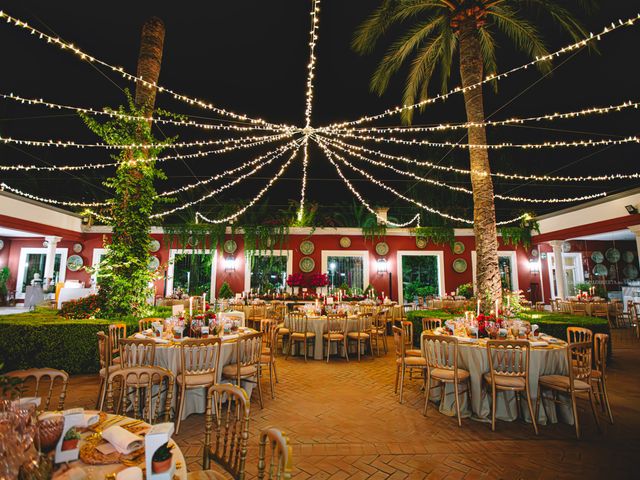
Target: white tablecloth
318,325
471,357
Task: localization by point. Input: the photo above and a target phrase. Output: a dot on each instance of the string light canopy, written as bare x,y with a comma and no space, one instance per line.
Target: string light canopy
329,138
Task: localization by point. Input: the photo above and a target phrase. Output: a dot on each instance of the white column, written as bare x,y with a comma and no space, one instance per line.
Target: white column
52,244
560,277
636,229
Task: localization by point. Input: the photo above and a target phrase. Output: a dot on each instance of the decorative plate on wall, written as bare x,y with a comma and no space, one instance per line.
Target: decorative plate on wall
77,247
345,242
459,265
566,247
307,247
382,248
613,255
626,256
535,253
307,264
458,248
74,263
600,270
229,246
154,245
597,257
421,242
154,262
1,244
630,272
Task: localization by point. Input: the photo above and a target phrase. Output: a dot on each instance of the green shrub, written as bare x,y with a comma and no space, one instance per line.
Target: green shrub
466,290
86,307
554,324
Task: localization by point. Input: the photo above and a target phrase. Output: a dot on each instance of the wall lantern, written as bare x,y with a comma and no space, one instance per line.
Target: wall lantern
382,266
534,266
230,264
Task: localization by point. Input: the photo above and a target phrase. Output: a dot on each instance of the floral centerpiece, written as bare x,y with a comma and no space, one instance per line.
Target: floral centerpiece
318,280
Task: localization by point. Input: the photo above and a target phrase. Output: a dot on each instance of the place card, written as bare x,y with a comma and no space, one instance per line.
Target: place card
157,437
69,449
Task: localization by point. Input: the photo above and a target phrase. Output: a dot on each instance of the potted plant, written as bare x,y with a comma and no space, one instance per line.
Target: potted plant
161,460
4,278
71,439
225,291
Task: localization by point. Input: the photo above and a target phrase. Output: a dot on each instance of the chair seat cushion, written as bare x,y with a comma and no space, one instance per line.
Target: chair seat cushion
561,382
505,381
112,369
355,335
298,335
596,374
334,336
232,370
205,475
413,361
202,379
413,352
265,359
116,361
447,375
283,331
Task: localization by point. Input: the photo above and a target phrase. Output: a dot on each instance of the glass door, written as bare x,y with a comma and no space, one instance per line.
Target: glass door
419,276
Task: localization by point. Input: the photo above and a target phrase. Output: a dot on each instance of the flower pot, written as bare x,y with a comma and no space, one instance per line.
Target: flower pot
162,465
70,444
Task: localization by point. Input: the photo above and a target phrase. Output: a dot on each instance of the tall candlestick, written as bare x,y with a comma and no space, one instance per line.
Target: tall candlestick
497,307
478,310
190,306
204,303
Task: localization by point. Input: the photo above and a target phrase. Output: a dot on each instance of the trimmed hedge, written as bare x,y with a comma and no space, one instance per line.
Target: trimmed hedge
554,324
44,339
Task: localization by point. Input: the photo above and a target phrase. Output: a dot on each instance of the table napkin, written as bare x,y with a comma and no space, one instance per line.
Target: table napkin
230,336
122,440
140,336
538,343
89,419
26,401
131,473
160,340
467,340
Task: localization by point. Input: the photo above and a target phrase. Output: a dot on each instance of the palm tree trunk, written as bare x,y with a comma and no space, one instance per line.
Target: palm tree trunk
484,214
149,62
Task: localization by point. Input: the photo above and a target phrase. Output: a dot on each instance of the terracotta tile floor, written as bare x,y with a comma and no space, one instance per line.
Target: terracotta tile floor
345,422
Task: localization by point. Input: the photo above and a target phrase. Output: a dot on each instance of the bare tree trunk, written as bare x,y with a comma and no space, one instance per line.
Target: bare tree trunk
484,214
149,62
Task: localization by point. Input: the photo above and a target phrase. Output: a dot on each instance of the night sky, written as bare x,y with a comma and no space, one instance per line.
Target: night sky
250,57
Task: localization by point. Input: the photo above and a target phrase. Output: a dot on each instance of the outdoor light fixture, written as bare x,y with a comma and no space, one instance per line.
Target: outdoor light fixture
534,266
230,264
382,266
631,209
332,266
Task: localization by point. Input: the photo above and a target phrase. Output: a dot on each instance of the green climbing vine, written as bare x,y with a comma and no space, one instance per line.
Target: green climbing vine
438,235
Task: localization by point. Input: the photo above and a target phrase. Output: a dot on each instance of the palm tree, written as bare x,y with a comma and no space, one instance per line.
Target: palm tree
438,29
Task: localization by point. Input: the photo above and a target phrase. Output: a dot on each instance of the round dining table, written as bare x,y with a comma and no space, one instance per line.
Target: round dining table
318,325
550,359
100,472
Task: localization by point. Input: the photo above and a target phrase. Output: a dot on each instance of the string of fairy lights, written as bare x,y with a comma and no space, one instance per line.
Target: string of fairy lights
335,140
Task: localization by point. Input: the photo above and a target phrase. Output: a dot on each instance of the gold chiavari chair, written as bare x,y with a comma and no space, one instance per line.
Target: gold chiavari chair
106,368
378,332
403,362
199,361
256,313
362,333
137,352
579,335
599,374
441,354
430,324
136,393
248,349
509,372
117,331
601,310
621,317
635,317
268,356
281,458
409,351
146,323
226,433
539,307
577,382
267,325
578,308
299,333
563,306
46,379
336,333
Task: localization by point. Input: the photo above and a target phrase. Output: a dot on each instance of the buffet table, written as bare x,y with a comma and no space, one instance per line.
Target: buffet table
472,356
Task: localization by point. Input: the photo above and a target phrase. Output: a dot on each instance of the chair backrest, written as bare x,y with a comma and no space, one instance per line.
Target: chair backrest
430,324
441,351
600,347
297,322
379,321
117,331
578,308
508,358
281,455
135,352
199,356
364,323
579,361
104,350
45,379
579,334
139,382
227,418
336,324
600,309
398,341
248,351
257,311
145,323
407,326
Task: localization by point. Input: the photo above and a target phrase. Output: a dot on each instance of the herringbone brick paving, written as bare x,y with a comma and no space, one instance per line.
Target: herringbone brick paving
344,421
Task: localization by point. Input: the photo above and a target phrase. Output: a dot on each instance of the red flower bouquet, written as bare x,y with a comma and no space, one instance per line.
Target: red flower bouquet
295,280
318,280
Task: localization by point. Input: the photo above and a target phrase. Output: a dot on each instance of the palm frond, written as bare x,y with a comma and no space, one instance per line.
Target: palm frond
399,51
446,60
524,35
376,25
562,16
488,49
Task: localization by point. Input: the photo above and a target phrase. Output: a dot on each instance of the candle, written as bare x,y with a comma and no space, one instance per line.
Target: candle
478,309
190,306
204,303
497,307
508,301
